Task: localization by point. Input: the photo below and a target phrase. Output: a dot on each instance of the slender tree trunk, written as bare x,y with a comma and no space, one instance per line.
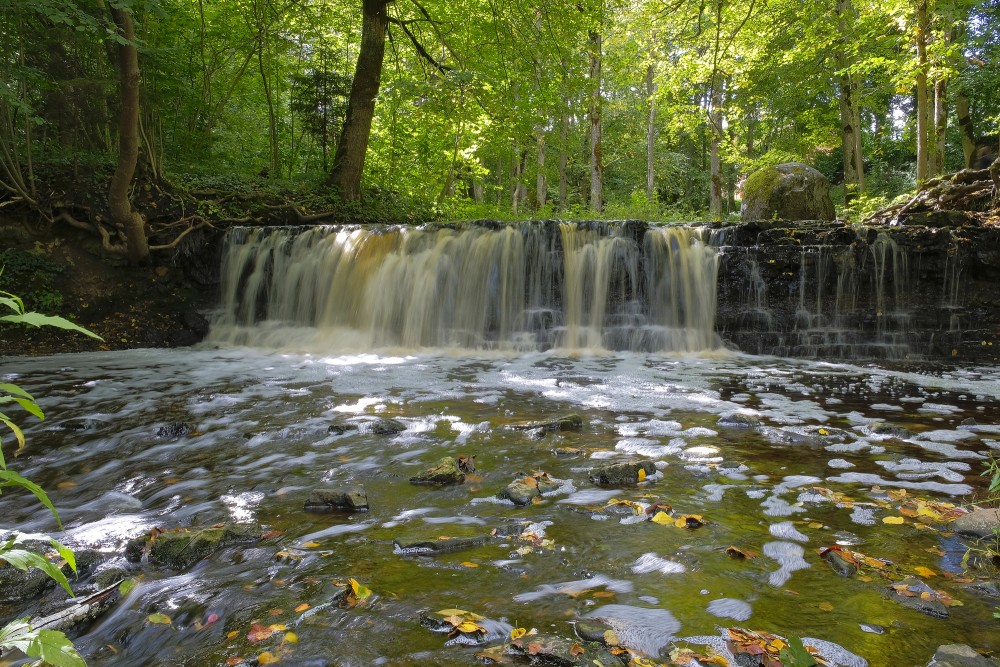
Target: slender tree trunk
940,126
596,157
274,160
563,158
854,171
651,135
349,160
122,213
541,187
518,192
923,28
715,157
965,127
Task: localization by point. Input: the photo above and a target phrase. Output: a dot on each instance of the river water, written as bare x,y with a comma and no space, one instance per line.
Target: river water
260,440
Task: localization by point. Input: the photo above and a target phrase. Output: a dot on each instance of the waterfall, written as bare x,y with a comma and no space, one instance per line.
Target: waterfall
517,286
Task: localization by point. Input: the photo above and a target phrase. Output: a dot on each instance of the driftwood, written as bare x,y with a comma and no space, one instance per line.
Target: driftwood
969,196
80,610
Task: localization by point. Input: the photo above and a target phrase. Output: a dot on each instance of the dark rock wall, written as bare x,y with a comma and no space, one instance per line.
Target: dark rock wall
824,290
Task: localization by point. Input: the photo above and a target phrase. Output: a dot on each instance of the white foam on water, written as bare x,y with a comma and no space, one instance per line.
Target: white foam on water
886,407
786,530
717,491
869,479
650,562
864,516
839,463
789,557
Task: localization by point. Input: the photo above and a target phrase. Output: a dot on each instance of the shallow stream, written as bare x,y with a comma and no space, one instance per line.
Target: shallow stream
260,440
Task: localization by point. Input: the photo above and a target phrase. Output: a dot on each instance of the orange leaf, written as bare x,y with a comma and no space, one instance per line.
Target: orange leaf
576,650
302,607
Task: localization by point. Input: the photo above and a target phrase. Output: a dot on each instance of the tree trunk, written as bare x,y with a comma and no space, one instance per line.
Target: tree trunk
854,171
923,27
122,213
274,159
563,159
715,127
519,191
541,187
940,126
594,113
349,160
965,127
651,135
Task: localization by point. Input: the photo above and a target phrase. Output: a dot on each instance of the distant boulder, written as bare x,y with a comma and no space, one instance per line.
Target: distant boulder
788,191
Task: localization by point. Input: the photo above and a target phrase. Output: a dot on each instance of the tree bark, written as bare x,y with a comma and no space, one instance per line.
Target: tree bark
651,135
965,127
122,213
715,159
349,159
541,187
923,28
854,171
940,126
594,114
563,158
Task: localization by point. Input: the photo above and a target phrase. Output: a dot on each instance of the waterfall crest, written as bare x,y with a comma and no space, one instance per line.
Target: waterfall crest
525,286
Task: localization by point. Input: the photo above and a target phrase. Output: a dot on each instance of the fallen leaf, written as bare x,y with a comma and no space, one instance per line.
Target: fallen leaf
826,606
231,662
576,650
604,594
159,619
302,607
815,525
894,520
689,521
267,658
642,475
271,534
517,633
275,612
69,484
662,518
467,563
311,545
925,571
360,591
232,634
291,638
610,638
740,554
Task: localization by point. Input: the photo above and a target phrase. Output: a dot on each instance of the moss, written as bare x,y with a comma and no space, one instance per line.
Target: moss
760,184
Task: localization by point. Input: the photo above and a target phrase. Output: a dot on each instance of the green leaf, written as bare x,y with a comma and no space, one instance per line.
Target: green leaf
159,619
23,559
127,586
14,390
796,655
39,320
17,434
50,646
11,478
31,407
12,303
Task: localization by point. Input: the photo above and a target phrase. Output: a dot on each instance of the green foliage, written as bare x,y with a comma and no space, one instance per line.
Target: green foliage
796,655
50,646
36,270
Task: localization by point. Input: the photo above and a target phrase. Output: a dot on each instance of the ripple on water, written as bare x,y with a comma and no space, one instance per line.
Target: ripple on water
789,557
650,562
575,588
729,608
786,531
639,628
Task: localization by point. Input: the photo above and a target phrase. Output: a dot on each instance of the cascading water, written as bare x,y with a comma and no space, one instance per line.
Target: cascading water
514,287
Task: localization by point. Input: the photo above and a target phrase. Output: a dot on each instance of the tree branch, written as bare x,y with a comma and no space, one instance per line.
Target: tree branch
419,47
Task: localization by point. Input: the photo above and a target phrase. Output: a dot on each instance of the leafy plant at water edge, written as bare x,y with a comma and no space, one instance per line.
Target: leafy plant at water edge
51,646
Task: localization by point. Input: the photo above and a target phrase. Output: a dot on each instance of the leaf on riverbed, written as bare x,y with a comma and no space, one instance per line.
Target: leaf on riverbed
495,655
259,633
768,650
657,507
686,656
833,496
576,650
267,658
925,592
468,563
689,521
925,571
642,475
858,559
893,520
627,505
931,511
741,554
662,518
302,607
158,619
358,593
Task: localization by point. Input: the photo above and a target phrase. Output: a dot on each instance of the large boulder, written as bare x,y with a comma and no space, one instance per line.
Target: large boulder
788,191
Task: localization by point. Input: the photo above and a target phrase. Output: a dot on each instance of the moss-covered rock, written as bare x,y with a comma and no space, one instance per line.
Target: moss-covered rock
444,473
180,549
788,191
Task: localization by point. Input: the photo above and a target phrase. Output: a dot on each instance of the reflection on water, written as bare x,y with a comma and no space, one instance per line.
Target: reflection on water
258,439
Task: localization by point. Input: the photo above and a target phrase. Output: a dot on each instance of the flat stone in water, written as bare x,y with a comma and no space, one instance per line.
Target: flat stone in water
960,655
980,524
350,499
622,474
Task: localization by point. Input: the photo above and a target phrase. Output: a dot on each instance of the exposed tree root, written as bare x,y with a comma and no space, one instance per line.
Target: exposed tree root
969,196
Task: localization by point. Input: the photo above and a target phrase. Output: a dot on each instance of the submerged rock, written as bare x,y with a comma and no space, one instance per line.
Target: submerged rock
438,547
914,597
350,499
839,563
892,430
182,548
960,655
173,430
367,424
564,423
787,191
22,586
628,473
739,420
444,473
979,524
524,490
545,649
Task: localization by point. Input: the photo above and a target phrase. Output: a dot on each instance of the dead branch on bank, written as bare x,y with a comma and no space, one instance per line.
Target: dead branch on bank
969,196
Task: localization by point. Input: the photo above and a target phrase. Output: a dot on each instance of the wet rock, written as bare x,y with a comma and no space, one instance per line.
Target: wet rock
930,606
960,655
564,423
180,549
367,424
567,452
980,523
545,649
892,430
739,420
524,490
173,430
444,473
83,424
788,191
986,589
22,586
348,499
968,422
840,565
438,547
622,474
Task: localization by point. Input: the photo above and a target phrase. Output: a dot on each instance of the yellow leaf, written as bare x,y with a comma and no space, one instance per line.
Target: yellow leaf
160,619
469,564
925,571
894,520
469,627
291,638
815,525
267,658
360,591
232,634
826,606
610,638
311,545
642,474
517,633
662,518
823,431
